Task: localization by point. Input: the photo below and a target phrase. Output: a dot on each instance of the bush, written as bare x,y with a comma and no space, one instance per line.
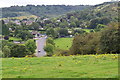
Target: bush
31,46
50,41
60,52
19,51
49,48
6,51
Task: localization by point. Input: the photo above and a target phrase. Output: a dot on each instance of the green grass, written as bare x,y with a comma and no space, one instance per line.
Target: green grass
87,30
88,66
63,43
13,38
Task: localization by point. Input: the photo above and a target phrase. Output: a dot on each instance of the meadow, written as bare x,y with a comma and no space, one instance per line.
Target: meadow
66,41
87,30
79,66
14,39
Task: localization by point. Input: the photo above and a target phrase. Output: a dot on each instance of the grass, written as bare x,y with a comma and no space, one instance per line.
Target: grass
82,66
14,38
63,43
87,30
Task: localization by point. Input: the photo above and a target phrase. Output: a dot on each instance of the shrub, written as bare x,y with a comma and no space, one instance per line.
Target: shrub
6,51
49,48
50,41
19,51
31,46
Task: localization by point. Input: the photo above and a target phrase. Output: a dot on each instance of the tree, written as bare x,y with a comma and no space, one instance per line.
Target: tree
34,26
73,24
49,48
50,41
99,27
80,31
104,20
6,51
63,24
75,48
19,51
94,23
5,30
24,35
85,44
31,46
63,32
110,39
51,32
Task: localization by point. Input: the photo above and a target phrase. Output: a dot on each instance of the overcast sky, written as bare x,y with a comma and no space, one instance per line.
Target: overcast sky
8,3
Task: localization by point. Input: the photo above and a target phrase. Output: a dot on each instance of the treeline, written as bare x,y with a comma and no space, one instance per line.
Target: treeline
40,10
105,41
14,30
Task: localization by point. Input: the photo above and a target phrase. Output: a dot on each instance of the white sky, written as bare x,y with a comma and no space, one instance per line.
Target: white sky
8,3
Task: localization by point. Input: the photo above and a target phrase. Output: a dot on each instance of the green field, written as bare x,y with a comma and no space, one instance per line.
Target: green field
87,30
14,38
81,66
63,43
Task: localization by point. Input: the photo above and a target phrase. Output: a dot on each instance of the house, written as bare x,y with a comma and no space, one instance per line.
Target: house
41,28
16,42
71,36
6,21
69,32
10,29
58,20
29,22
45,19
35,33
16,22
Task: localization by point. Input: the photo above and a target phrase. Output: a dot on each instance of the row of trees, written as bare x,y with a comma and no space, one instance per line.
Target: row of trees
105,41
10,49
50,46
39,10
58,32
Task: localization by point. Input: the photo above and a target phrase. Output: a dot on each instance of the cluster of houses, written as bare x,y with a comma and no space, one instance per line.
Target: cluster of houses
18,21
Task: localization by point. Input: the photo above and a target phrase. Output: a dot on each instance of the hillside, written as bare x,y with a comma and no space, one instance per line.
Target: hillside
98,14
40,10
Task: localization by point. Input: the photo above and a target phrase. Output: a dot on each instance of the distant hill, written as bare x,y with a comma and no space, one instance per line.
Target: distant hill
98,14
40,10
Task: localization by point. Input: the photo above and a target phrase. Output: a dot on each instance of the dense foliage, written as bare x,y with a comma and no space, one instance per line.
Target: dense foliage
105,41
10,49
40,10
50,45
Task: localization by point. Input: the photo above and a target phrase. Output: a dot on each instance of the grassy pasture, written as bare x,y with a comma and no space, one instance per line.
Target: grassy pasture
81,66
14,39
63,43
87,30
